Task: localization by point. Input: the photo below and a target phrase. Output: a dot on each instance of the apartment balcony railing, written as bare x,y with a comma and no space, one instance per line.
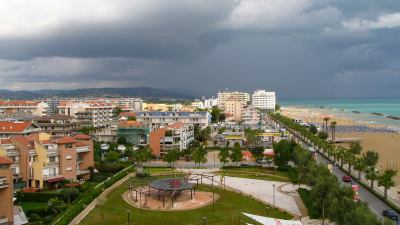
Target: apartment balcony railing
82,172
52,176
3,182
82,149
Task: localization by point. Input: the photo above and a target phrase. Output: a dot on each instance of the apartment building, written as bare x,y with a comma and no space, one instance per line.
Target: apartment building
265,100
234,109
226,95
58,125
41,160
205,104
127,104
175,136
250,117
134,132
6,192
94,114
17,128
9,109
155,120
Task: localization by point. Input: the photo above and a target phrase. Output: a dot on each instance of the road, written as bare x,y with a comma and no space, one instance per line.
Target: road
375,204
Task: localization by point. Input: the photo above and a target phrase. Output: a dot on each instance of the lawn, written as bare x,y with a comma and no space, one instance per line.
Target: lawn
256,173
228,210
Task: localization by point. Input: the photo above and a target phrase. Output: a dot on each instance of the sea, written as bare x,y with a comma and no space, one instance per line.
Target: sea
368,110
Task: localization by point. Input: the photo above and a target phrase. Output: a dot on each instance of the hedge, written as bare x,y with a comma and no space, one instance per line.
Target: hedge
38,196
68,215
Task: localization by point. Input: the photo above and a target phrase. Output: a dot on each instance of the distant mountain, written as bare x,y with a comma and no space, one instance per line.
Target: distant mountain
146,93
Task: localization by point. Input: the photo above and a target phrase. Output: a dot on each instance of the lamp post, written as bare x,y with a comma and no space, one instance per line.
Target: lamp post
273,194
204,220
129,216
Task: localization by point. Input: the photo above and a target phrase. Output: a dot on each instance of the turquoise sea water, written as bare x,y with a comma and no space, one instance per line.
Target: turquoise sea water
345,108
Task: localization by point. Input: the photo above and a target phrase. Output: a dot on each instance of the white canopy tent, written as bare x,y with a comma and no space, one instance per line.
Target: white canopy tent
272,221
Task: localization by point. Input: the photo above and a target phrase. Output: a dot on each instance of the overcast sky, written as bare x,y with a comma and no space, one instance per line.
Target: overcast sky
299,48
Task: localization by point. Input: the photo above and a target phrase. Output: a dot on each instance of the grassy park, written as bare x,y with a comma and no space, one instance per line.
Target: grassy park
228,209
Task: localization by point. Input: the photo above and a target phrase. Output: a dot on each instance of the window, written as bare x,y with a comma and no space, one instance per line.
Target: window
69,145
68,169
68,157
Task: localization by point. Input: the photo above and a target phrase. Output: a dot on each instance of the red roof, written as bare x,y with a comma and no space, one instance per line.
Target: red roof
65,140
130,124
82,136
177,125
247,154
4,160
22,140
127,114
14,127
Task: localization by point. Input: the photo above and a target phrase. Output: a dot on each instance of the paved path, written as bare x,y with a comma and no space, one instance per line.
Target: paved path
98,200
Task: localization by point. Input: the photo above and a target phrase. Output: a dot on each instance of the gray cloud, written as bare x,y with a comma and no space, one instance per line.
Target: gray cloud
295,47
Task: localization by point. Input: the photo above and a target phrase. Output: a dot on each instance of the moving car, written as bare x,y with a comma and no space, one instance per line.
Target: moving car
390,214
346,178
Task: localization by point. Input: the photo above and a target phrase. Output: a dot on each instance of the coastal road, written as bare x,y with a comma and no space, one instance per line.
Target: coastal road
375,204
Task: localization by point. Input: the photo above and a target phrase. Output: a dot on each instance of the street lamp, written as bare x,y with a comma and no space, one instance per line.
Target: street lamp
273,194
129,216
204,220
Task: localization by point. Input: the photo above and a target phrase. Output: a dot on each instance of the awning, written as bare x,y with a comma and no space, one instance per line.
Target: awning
52,180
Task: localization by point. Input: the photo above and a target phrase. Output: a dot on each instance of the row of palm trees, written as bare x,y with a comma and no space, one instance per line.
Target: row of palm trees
332,127
363,163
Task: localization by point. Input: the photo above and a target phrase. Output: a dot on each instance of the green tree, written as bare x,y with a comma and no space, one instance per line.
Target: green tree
252,136
326,119
323,135
333,129
171,157
360,165
112,156
199,155
386,180
257,152
355,149
117,111
313,129
223,156
54,206
70,194
371,158
217,115
301,157
122,140
142,155
372,175
277,107
283,152
236,154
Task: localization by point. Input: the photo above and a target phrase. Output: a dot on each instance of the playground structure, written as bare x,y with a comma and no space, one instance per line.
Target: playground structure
169,194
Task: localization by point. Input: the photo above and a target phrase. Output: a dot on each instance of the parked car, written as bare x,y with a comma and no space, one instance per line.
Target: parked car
346,178
390,214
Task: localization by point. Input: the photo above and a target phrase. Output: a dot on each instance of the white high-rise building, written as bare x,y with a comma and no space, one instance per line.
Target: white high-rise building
262,99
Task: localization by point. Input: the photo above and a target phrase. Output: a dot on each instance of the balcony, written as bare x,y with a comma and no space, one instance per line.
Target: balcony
82,149
3,182
52,176
82,172
4,220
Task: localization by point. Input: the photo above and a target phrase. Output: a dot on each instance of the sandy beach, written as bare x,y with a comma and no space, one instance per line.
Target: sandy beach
386,144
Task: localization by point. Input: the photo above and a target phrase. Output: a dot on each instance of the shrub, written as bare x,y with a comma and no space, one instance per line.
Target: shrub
305,195
142,174
38,196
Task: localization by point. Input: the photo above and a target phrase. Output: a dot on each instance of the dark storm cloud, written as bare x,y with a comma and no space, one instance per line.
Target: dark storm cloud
295,47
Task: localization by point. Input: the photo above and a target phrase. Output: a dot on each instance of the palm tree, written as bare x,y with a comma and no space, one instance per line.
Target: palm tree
333,128
386,180
360,165
371,175
326,119
355,149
